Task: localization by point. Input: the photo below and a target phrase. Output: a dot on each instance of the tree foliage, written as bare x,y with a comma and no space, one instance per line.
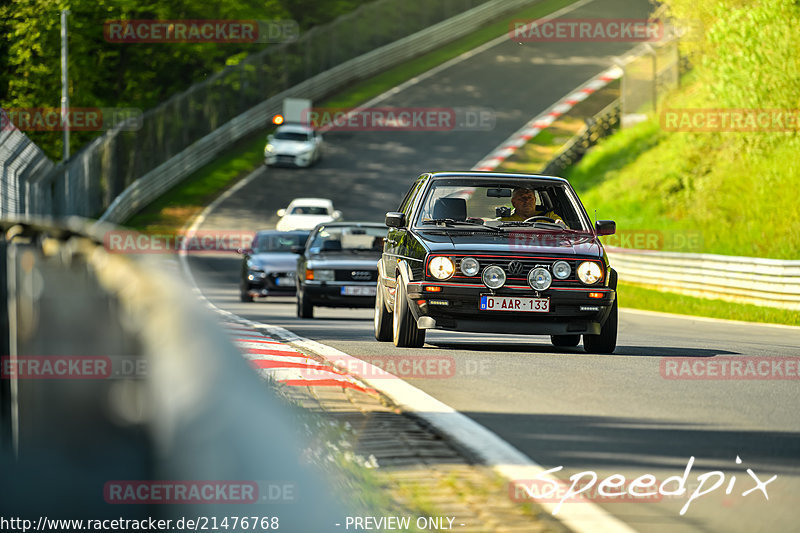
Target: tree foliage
105,74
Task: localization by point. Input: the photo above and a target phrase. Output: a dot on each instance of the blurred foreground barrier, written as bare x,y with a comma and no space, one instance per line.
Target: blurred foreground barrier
121,397
768,282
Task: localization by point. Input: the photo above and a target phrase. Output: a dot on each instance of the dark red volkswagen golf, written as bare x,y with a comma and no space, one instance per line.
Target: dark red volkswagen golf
496,253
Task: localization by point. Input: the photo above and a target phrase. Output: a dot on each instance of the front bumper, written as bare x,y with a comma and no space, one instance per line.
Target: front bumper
272,284
456,308
329,294
302,160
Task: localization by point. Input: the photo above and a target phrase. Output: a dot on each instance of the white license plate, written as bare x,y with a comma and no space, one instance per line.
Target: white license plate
509,303
284,281
359,291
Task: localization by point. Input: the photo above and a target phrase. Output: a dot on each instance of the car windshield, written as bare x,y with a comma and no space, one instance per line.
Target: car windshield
291,136
467,204
278,242
349,239
309,210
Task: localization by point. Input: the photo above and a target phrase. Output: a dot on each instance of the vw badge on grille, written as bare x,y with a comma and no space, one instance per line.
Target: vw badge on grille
515,268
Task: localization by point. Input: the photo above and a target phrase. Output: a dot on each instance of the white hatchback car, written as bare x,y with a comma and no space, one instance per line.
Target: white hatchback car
293,144
306,213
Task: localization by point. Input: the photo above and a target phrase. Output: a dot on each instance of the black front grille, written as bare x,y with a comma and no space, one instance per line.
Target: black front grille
357,274
289,159
516,268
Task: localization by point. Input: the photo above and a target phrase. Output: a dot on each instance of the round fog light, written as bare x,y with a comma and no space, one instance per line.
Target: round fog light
561,269
470,266
539,279
493,277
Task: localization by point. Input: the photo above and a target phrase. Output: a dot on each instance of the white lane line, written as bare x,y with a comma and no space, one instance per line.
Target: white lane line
496,453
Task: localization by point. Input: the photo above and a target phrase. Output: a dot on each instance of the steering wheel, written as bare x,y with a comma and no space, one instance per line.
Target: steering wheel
539,217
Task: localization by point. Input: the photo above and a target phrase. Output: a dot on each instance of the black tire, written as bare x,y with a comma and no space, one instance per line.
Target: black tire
245,296
565,340
606,342
305,309
383,318
405,333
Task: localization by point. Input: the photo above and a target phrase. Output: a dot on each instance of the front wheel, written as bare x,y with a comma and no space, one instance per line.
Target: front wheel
383,318
405,333
606,342
305,309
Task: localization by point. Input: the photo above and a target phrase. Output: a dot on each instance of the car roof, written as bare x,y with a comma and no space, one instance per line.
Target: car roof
311,201
294,128
494,175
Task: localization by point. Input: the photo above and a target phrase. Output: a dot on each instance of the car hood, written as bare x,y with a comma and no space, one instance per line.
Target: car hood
513,242
341,261
291,147
275,261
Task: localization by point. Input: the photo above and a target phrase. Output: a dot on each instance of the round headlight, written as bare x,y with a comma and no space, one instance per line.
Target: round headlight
442,268
589,273
561,269
493,277
539,278
470,266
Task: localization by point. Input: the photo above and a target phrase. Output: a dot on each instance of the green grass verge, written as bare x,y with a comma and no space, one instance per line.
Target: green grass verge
640,297
732,188
177,206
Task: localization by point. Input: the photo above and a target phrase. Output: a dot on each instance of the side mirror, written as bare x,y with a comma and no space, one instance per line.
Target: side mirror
395,219
244,251
605,227
281,212
337,215
298,249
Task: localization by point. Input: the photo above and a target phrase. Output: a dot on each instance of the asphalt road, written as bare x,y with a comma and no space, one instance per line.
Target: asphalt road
609,414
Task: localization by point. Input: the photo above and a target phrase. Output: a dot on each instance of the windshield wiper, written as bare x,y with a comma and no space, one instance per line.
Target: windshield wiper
522,223
449,222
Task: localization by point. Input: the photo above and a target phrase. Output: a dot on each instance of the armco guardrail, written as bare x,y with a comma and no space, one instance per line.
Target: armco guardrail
111,373
20,161
767,282
171,172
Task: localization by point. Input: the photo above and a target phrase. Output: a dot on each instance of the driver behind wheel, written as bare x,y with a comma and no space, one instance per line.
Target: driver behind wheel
524,202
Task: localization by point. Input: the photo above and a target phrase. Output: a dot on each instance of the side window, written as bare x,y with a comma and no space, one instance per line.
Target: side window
408,201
